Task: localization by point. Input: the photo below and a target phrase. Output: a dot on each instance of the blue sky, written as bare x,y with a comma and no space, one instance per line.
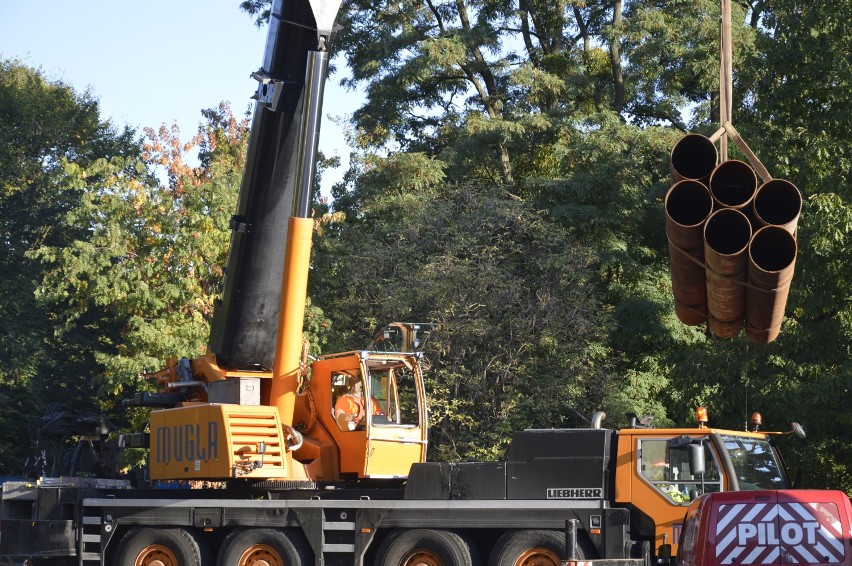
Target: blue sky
154,62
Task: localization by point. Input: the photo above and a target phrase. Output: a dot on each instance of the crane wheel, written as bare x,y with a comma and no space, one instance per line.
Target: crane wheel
529,548
159,547
265,547
424,547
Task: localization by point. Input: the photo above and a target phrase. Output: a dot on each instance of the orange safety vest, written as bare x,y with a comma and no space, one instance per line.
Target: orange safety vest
351,405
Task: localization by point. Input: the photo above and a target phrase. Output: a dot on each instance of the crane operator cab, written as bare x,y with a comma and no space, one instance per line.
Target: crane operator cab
364,413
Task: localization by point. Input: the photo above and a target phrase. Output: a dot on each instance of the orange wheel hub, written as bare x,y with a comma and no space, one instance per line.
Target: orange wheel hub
538,557
422,557
156,555
260,555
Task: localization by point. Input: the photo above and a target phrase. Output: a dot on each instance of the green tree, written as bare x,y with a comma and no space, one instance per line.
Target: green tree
792,79
44,123
572,108
521,339
150,259
493,88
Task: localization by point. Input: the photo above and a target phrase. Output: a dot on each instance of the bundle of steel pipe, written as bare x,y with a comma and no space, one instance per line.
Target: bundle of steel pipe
732,242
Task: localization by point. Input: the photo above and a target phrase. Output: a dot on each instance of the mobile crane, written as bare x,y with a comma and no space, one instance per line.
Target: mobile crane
238,411
304,487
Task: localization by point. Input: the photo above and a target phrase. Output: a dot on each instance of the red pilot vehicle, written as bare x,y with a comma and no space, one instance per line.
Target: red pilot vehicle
797,527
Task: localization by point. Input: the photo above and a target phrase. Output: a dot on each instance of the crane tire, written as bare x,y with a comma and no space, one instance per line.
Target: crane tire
270,547
424,547
528,548
169,547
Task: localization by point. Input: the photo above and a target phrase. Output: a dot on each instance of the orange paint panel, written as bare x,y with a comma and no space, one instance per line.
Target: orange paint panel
217,441
392,451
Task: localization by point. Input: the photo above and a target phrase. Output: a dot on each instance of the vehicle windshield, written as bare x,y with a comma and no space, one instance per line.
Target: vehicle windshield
393,386
756,464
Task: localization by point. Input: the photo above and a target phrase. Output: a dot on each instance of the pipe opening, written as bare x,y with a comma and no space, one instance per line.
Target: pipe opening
694,156
689,203
727,232
733,183
778,202
773,249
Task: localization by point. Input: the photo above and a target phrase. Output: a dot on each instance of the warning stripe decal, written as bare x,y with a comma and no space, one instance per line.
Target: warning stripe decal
779,533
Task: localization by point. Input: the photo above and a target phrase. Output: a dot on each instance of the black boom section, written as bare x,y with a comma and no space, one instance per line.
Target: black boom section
245,322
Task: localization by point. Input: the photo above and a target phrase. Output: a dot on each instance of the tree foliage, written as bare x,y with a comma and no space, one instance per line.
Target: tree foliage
589,98
796,88
44,124
151,258
520,343
493,88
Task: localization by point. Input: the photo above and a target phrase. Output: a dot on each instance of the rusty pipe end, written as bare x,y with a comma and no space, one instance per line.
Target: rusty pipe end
778,203
688,203
727,232
725,329
693,157
773,252
691,315
733,184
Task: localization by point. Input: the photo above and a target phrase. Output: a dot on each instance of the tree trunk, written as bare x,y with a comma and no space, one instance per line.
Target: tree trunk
615,58
506,165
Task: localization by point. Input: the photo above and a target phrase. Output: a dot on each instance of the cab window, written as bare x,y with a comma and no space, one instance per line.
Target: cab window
339,386
755,463
392,385
666,467
347,410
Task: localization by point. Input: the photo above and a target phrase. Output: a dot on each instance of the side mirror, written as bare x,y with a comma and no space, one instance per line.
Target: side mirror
696,459
798,430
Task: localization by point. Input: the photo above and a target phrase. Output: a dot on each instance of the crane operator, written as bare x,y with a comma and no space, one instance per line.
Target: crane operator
350,409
